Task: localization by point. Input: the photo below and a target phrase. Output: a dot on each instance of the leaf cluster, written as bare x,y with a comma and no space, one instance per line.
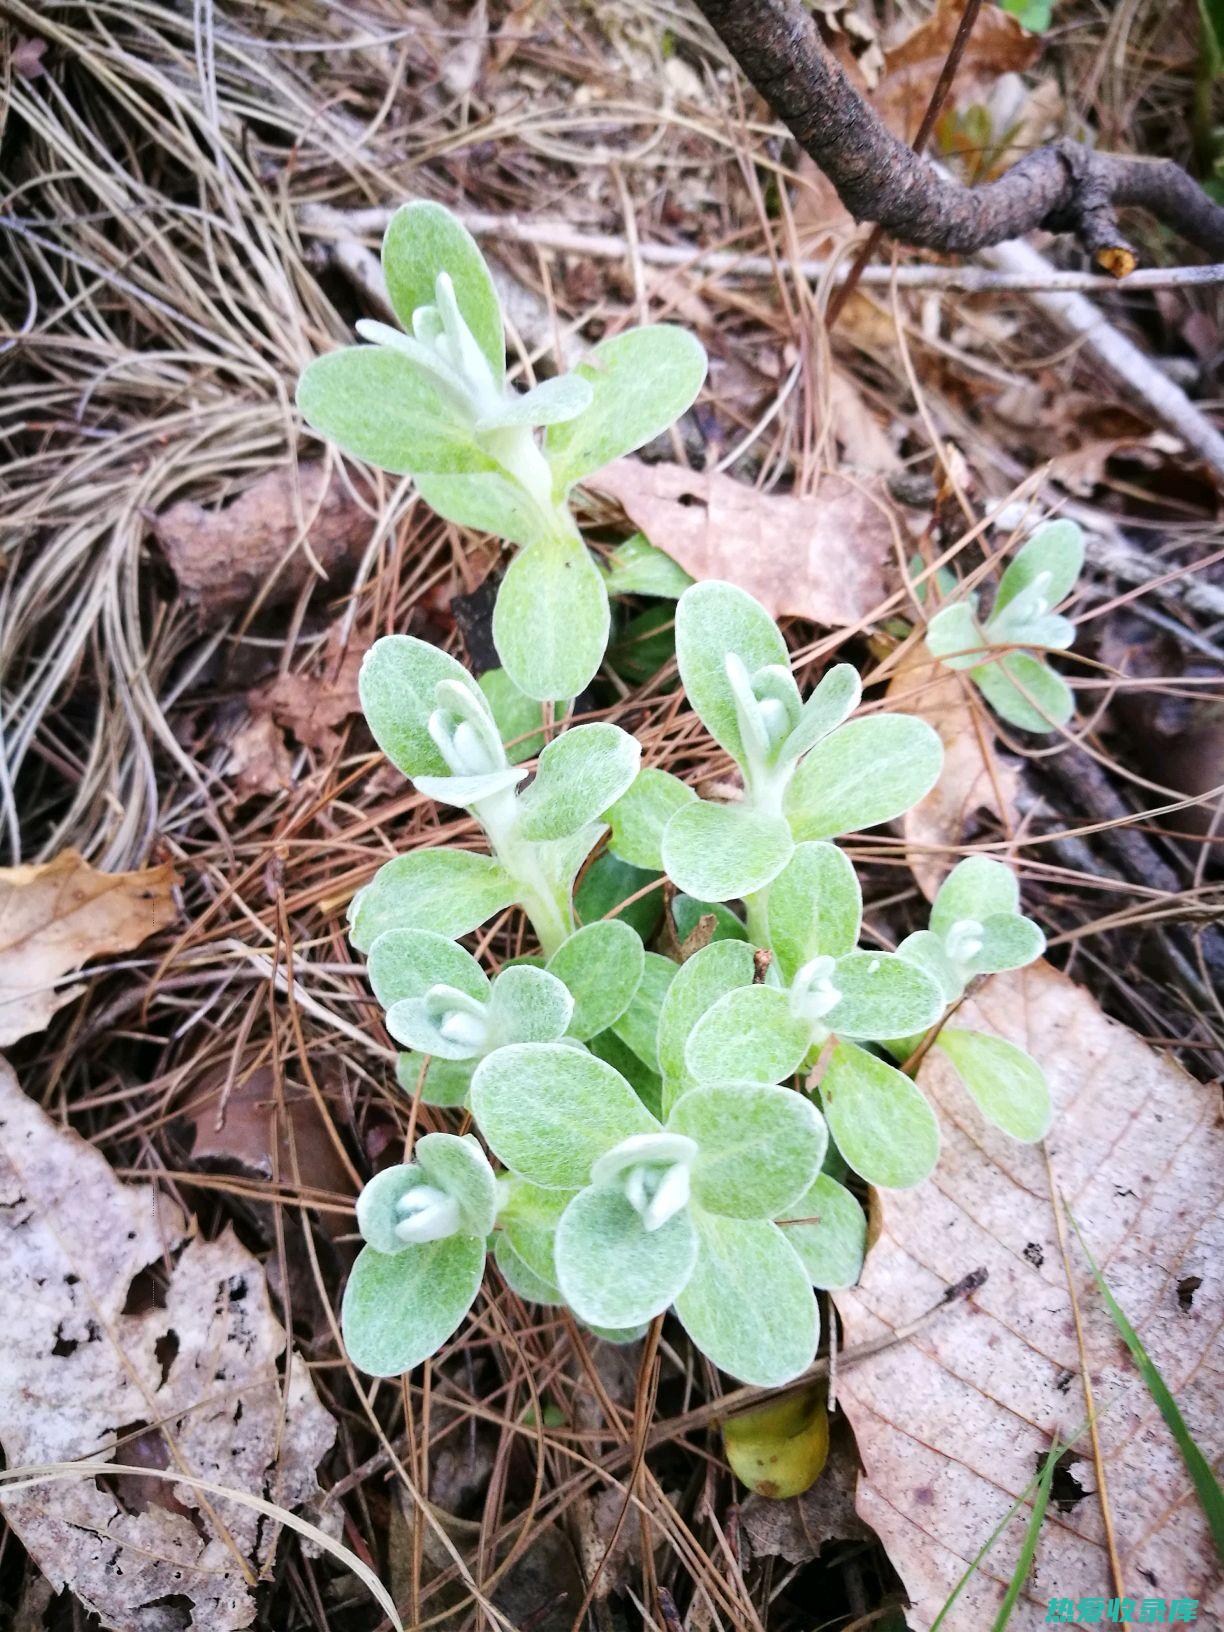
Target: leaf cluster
670,1132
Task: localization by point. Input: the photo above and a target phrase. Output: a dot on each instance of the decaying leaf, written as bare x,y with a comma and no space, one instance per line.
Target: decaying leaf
976,779
259,759
828,557
193,1377
55,916
952,1424
797,1529
997,45
312,706
295,523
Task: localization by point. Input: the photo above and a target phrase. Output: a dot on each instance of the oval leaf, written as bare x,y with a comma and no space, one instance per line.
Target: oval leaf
642,812
1026,692
759,1147
528,1005
883,995
883,1126
866,772
1007,1085
400,1308
423,239
551,619
815,907
580,774
549,1111
397,685
450,892
642,381
378,405
748,1305
457,1165
612,1270
697,986
977,887
601,965
834,700
723,852
830,1235
405,963
714,619
748,1035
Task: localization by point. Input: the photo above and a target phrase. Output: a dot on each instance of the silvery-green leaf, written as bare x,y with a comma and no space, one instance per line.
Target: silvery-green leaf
528,1005
759,1147
955,636
424,239
636,567
926,950
638,1026
883,995
602,965
748,1035
748,1305
722,852
457,1166
713,620
612,1270
551,620
642,381
833,701
882,1124
397,685
977,887
642,812
696,987
441,1082
521,1278
417,1023
1009,941
1057,548
645,1082
450,892
528,1219
581,773
687,913
486,499
1008,1085
560,860
400,1308
464,792
609,883
619,1335
548,1112
832,1239
380,406
551,402
864,773
518,716
407,962
1025,692
1051,630
378,1205
382,334
815,907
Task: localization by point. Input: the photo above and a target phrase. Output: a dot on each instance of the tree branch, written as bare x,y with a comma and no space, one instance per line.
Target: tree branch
1064,187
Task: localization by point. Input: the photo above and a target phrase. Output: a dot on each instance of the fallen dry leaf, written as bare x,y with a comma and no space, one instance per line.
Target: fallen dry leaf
259,760
976,779
997,45
312,706
797,1529
190,1379
254,548
828,557
55,916
953,1423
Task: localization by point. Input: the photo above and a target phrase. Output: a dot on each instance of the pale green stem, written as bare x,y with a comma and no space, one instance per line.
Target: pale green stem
757,908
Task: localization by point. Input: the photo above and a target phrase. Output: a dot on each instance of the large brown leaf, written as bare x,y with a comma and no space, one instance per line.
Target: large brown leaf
196,1380
829,557
58,914
952,1424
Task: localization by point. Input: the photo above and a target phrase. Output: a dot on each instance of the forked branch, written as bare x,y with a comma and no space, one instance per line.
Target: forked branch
1064,187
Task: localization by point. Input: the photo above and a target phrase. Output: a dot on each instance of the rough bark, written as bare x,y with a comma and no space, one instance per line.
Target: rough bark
1064,187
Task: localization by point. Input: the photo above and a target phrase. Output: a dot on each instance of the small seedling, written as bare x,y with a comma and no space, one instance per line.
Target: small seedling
431,401
671,1120
1020,686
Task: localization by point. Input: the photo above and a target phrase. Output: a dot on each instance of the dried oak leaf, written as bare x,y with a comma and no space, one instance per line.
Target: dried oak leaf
998,44
828,557
953,1423
294,524
197,1379
975,780
55,916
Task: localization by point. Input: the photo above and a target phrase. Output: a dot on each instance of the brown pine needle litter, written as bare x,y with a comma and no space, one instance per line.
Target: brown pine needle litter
173,181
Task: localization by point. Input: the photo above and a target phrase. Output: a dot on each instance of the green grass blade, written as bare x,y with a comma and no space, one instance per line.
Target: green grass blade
1206,1485
1024,1563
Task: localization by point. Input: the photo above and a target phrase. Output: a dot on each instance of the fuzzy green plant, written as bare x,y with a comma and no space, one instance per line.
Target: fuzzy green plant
666,1118
1000,652
430,400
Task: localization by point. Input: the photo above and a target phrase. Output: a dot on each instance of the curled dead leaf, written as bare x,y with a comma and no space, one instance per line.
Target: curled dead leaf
828,557
294,524
55,916
998,44
952,1424
129,1337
